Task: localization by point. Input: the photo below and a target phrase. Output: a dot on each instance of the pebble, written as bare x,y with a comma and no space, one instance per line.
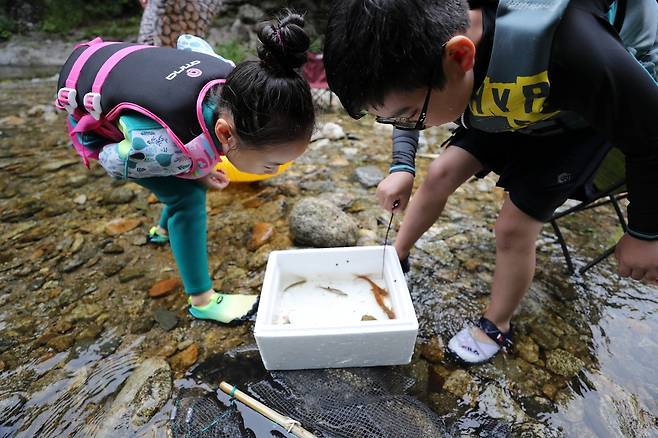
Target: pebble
120,195
129,274
164,287
181,361
332,131
167,319
80,199
121,226
433,350
261,233
113,248
369,176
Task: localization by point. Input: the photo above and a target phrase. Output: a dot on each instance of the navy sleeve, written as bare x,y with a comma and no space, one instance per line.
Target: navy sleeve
593,74
405,144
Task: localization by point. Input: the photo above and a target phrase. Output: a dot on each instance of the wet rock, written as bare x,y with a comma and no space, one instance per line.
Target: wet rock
533,429
496,403
141,325
22,210
6,343
61,343
369,176
12,121
437,377
319,223
52,166
183,360
549,390
120,195
164,287
433,350
113,248
260,257
544,338
146,391
527,349
130,273
78,241
165,318
332,131
120,226
90,332
113,267
563,363
73,263
139,241
10,404
261,233
84,312
461,384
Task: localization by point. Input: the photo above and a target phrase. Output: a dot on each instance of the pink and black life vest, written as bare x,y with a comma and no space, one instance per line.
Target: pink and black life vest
100,80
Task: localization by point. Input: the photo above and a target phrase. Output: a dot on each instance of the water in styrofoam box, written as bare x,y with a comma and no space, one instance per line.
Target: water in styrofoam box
327,300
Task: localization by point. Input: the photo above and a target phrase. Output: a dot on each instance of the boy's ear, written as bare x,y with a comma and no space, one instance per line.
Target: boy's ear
461,51
224,132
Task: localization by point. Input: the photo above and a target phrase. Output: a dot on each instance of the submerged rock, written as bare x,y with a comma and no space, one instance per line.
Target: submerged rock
147,389
319,223
167,319
563,363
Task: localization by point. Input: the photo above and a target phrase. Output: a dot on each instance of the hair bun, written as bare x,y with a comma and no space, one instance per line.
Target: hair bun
284,42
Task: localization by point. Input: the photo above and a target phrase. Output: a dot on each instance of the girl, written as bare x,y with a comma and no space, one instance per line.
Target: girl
161,117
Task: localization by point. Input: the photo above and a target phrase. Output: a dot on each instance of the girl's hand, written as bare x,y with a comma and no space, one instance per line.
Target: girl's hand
395,187
216,179
143,3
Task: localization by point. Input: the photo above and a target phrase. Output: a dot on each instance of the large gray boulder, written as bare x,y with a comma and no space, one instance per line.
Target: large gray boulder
319,223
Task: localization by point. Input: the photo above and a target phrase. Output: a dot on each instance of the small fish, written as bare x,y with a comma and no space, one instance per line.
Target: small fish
297,283
334,290
379,294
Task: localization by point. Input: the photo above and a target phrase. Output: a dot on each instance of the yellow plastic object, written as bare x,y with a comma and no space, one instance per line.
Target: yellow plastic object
234,175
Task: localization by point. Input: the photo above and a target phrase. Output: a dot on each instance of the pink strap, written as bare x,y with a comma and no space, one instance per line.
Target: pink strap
74,74
199,107
107,67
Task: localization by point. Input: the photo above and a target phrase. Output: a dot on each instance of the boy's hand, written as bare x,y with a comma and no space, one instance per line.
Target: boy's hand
395,187
637,258
216,179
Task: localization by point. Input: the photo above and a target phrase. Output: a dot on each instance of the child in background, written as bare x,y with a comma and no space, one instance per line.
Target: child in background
541,91
166,116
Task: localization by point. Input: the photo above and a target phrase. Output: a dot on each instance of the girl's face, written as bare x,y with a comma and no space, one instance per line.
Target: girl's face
261,160
265,160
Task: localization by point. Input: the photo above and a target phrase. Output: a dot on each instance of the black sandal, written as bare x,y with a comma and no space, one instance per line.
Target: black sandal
500,338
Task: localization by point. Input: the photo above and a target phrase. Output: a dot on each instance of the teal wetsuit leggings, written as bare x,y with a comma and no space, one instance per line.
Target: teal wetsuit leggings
184,218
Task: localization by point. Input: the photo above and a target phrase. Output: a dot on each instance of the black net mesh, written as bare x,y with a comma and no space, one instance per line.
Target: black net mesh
203,416
350,403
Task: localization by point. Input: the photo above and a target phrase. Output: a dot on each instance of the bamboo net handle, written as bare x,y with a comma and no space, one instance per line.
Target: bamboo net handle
287,423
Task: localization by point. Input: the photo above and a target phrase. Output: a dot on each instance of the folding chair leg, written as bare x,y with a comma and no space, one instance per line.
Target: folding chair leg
598,260
563,245
620,214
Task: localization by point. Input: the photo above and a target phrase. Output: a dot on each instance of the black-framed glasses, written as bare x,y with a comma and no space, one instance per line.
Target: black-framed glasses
405,123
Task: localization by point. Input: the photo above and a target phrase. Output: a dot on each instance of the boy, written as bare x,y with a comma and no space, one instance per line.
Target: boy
539,102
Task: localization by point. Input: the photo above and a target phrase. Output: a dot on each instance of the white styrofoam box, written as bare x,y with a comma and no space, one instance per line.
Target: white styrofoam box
335,344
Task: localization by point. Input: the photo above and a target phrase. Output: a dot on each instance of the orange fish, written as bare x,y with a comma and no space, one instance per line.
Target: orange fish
379,294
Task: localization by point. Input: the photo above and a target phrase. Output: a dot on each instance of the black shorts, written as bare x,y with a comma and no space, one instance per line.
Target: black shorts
539,172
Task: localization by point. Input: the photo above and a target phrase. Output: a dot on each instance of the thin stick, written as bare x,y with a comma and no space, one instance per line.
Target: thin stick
287,423
396,204
428,156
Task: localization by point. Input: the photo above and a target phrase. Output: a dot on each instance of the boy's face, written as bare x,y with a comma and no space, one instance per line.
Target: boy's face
445,105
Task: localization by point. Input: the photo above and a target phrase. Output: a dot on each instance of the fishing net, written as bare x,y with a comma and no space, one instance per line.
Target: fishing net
203,416
331,403
350,403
